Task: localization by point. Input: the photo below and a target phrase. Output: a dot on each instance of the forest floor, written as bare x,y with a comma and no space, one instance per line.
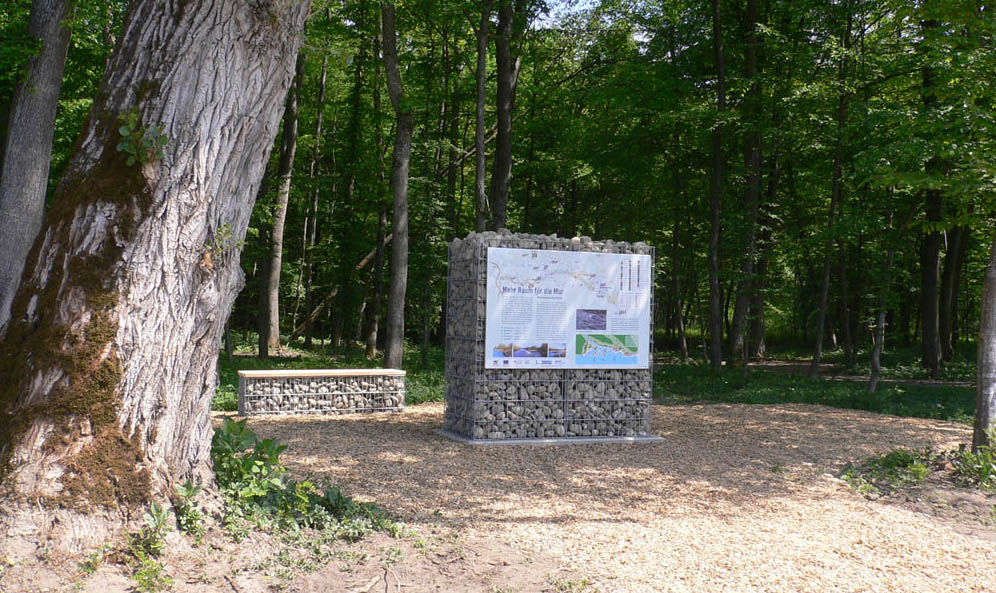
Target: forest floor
839,373
736,498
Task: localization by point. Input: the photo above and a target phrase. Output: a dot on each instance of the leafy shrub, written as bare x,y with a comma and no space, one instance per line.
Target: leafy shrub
253,482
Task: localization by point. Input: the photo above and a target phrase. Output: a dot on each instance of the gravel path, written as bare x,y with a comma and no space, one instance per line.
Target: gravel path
737,498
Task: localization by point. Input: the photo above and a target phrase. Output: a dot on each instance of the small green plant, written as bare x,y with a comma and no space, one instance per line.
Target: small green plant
94,560
569,586
223,241
142,145
977,468
895,469
150,541
149,575
144,549
189,518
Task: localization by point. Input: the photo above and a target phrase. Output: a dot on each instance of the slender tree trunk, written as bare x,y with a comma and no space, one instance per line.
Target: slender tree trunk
845,307
752,193
949,282
507,69
930,275
676,285
322,307
955,289
481,199
715,197
373,311
758,348
878,338
931,250
262,308
299,284
836,191
112,354
27,148
288,149
985,382
312,232
394,349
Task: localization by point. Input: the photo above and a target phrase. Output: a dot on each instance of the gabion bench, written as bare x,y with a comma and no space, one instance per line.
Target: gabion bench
321,391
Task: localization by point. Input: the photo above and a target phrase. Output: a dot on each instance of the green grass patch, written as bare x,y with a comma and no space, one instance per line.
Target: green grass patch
898,362
695,382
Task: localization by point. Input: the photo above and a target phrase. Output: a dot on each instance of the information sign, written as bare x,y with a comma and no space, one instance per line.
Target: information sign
567,309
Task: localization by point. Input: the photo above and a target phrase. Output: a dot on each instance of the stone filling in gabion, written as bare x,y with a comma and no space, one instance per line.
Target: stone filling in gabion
483,404
321,395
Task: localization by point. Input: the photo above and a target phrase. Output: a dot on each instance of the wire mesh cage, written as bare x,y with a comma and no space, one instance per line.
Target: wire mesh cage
329,391
491,404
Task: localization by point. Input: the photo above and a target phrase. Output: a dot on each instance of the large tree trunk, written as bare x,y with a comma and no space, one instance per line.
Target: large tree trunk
112,350
752,193
985,381
715,197
480,198
394,349
288,149
27,148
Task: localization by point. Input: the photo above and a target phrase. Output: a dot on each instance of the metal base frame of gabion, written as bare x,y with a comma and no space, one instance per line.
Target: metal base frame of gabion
334,391
531,405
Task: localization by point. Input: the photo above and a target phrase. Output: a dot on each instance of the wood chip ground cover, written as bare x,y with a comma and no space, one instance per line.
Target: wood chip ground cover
737,498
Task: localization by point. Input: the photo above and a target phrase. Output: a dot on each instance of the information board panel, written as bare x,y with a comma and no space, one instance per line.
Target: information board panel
567,309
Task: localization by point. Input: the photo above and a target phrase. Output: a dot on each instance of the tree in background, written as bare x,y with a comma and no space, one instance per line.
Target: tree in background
401,161
27,144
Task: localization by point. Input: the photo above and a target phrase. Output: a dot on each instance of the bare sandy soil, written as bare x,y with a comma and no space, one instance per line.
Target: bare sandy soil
737,498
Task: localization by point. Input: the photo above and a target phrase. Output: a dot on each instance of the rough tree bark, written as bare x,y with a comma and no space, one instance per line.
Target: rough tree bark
394,348
27,146
715,196
285,171
115,332
481,199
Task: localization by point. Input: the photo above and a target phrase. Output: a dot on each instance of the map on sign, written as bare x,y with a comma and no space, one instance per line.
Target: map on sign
567,309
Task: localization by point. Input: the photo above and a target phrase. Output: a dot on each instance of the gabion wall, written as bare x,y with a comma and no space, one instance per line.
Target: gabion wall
334,391
493,404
